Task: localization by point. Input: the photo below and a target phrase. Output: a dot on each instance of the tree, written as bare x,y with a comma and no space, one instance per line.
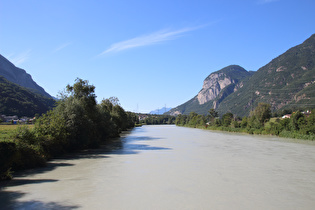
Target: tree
212,113
262,113
311,123
79,109
227,119
297,120
244,122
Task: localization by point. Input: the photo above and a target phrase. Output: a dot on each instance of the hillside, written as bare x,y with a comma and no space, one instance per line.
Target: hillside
287,82
19,76
216,87
16,100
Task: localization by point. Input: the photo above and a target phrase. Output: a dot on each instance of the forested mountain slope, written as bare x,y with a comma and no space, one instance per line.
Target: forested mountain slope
287,82
17,100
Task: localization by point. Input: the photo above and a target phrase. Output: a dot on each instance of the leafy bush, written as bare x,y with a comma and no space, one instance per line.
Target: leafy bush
7,153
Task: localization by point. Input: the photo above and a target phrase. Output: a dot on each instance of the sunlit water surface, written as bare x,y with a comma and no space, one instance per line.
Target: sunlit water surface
169,167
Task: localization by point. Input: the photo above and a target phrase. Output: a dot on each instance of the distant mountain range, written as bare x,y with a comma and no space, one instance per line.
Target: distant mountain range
19,94
287,82
160,111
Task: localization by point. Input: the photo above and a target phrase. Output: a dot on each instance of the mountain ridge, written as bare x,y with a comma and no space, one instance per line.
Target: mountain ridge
19,76
216,87
160,111
286,82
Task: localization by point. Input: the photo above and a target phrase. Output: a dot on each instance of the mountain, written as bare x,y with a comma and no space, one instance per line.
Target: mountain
287,82
160,111
216,87
17,100
19,76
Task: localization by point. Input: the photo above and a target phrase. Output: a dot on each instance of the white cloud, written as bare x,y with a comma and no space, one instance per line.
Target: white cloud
150,39
19,58
61,47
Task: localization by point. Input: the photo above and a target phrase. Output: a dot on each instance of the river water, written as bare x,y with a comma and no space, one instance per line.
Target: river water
169,167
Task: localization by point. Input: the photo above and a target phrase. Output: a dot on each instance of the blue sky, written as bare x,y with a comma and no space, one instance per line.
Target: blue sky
147,53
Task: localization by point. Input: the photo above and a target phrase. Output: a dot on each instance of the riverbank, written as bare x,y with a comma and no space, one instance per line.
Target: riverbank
16,156
283,133
77,122
298,125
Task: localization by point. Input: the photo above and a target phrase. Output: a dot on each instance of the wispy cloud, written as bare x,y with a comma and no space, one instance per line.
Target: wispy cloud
18,59
150,39
62,47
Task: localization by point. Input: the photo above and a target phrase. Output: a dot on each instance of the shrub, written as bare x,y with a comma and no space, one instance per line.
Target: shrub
7,153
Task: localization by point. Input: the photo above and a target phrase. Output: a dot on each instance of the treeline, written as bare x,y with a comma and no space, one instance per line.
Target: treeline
76,122
259,121
158,119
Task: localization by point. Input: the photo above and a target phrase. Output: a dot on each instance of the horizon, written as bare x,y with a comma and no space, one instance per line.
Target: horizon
146,52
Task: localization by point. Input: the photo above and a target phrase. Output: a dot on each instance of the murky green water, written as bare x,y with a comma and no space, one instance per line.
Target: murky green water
168,167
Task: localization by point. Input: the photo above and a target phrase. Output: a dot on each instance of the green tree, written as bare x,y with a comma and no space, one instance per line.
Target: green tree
244,122
262,113
297,120
227,119
78,107
310,127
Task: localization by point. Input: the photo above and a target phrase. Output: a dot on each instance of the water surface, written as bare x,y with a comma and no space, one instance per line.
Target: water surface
169,167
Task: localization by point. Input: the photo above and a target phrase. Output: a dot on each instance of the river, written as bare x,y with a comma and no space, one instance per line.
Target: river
169,167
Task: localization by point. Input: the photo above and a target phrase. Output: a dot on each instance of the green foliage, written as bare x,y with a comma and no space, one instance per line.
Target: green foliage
244,122
159,120
262,113
213,114
298,126
297,121
24,134
76,122
7,153
227,119
16,100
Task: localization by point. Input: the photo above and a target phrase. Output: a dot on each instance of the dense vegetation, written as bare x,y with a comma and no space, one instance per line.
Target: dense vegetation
259,121
16,100
77,122
152,119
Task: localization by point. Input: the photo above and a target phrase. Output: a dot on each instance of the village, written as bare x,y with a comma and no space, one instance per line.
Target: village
16,120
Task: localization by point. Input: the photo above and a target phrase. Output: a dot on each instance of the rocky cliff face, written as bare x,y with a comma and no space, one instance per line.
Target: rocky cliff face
216,87
19,76
212,87
220,84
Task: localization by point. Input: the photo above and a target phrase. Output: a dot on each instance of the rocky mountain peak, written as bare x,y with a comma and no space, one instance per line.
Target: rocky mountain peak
217,81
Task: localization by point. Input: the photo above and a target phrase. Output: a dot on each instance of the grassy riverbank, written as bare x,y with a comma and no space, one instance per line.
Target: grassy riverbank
299,125
284,133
